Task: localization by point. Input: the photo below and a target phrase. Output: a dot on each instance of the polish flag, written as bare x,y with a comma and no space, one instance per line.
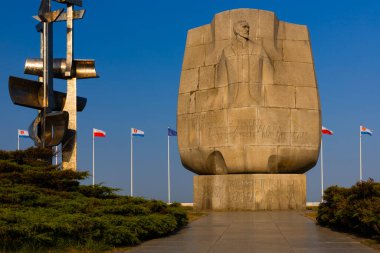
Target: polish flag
326,131
98,133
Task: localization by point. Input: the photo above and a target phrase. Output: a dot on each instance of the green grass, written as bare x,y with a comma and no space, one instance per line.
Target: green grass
44,209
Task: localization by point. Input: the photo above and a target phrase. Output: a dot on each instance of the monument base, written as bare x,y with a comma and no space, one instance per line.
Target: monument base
250,192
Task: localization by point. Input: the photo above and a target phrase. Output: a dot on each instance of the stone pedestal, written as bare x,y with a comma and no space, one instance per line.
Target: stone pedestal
250,192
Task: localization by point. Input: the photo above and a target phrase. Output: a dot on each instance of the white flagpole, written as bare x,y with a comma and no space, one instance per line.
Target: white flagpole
56,155
321,170
360,134
168,168
18,140
93,158
131,164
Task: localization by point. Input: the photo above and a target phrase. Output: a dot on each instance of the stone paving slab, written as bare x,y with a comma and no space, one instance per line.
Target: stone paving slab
267,232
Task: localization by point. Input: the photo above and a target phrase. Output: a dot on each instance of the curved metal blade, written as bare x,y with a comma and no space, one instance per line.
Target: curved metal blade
26,92
55,131
83,69
29,93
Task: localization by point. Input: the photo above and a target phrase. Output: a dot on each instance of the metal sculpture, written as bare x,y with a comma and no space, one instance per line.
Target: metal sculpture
56,120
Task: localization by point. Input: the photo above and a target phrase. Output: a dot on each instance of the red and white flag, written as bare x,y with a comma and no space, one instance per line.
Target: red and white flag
98,133
326,131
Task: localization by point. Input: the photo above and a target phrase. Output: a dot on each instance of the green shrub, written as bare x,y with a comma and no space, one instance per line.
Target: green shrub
355,209
43,208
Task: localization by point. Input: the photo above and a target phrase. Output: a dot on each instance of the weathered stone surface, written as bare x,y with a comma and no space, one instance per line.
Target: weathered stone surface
250,192
69,150
248,98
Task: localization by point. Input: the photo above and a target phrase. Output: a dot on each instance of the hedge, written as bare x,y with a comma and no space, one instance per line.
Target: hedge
45,208
355,209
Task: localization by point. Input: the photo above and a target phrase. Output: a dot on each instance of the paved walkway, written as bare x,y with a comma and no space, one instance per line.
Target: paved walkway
239,232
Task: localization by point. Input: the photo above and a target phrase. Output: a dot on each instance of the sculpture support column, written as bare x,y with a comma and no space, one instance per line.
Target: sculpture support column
69,144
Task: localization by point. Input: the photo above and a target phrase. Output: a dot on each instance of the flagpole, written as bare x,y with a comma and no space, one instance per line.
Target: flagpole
18,140
360,134
56,155
131,164
168,168
321,170
93,159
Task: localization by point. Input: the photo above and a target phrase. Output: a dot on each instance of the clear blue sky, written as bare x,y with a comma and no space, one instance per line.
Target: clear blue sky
138,47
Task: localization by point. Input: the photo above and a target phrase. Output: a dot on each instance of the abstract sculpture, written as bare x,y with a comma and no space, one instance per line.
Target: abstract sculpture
56,120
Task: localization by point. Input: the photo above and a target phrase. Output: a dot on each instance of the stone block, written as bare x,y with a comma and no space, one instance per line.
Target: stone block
207,77
287,31
306,98
213,128
233,157
189,80
273,127
250,192
302,160
195,37
194,57
188,128
214,99
242,126
268,24
294,73
260,157
297,51
186,103
306,127
279,96
222,26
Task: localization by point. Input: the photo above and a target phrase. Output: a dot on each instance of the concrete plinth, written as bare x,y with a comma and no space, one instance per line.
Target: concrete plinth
250,192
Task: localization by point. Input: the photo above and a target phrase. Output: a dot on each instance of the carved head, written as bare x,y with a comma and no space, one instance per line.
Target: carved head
241,28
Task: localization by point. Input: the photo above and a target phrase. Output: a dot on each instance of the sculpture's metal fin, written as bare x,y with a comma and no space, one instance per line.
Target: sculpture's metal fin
79,14
83,69
55,130
44,8
73,2
29,93
50,17
26,92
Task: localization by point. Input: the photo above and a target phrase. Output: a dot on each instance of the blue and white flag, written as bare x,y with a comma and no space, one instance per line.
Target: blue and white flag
23,133
136,132
172,132
364,130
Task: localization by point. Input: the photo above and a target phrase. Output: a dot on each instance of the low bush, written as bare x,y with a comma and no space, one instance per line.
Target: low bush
355,209
45,208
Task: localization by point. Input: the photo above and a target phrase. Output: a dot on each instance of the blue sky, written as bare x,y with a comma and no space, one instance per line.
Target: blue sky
138,47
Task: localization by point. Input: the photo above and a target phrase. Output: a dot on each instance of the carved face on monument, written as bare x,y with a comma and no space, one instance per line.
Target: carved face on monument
248,105
241,28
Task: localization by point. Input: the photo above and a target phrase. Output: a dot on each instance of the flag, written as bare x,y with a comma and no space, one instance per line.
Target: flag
23,133
364,130
326,131
172,132
98,133
136,132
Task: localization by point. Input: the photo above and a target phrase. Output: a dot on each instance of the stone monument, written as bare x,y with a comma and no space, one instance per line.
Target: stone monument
249,117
